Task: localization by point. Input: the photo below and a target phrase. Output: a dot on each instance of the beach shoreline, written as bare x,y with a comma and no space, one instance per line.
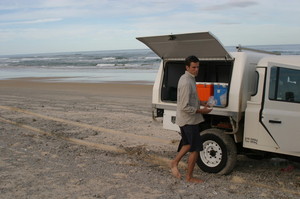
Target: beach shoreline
98,140
132,88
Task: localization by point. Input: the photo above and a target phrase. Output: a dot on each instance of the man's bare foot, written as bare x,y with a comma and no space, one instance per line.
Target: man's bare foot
194,180
175,171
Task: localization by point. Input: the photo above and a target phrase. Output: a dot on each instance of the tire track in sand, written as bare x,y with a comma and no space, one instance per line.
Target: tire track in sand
155,159
150,158
87,126
158,160
73,140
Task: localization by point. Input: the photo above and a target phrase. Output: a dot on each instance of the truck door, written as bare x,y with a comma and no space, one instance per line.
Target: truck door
281,110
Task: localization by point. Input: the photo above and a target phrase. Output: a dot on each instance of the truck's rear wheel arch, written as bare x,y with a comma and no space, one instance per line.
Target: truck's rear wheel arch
219,152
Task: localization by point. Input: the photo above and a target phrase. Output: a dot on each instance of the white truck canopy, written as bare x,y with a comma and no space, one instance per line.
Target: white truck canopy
203,45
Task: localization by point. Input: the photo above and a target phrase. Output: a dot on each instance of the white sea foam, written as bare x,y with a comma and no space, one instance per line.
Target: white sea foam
133,65
108,58
105,65
152,58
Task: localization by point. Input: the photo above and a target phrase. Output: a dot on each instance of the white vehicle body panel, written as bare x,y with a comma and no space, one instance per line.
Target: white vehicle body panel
272,125
169,120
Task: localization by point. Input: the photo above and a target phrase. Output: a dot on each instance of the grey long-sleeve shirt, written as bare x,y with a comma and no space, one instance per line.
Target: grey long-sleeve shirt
187,101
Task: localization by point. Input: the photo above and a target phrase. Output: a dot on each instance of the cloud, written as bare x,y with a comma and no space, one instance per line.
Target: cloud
114,24
37,21
232,4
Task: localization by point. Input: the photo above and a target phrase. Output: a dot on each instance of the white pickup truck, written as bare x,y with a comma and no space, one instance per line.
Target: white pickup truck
257,97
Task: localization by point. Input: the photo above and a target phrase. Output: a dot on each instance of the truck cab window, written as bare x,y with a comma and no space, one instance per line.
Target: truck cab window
254,92
284,84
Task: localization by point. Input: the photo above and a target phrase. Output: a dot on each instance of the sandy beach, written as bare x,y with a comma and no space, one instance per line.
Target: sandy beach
98,140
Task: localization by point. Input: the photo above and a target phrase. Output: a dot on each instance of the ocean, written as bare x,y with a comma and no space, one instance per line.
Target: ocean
99,66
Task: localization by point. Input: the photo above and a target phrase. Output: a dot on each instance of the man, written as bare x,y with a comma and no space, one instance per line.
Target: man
188,117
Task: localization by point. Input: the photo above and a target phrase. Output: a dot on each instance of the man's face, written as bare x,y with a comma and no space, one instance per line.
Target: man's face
193,68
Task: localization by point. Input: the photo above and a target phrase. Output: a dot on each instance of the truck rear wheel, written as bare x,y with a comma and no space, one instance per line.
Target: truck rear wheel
219,152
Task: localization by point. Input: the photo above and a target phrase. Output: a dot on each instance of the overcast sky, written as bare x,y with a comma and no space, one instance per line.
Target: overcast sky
38,26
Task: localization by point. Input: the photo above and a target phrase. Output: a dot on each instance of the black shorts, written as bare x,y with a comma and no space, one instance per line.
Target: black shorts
190,135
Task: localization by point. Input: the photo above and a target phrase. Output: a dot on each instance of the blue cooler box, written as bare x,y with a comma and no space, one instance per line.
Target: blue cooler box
220,94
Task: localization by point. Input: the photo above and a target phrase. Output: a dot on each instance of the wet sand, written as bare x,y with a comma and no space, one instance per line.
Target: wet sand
98,140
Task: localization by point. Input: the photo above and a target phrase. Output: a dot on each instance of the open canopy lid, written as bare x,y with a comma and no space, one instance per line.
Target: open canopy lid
202,45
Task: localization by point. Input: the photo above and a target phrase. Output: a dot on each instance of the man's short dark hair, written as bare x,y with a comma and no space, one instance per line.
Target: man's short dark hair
191,59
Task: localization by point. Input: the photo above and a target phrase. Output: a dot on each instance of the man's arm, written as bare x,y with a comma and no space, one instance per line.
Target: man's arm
204,110
184,94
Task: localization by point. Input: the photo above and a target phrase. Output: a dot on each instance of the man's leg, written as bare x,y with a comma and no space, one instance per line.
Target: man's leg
174,164
191,165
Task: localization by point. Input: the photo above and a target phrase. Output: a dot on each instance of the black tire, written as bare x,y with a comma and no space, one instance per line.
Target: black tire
219,152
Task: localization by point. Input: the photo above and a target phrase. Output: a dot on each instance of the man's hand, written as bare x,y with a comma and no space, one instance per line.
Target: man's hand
204,110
